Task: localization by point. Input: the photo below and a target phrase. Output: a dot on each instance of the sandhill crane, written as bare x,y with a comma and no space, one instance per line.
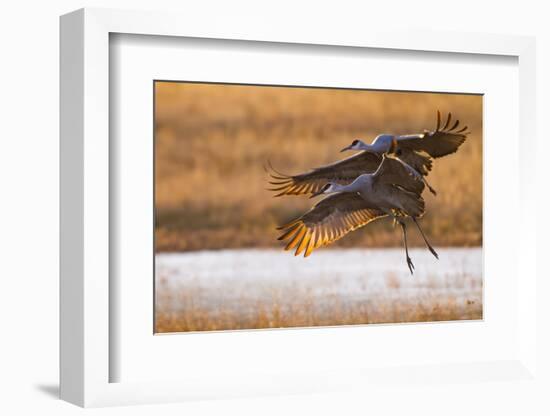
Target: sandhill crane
392,190
417,150
342,172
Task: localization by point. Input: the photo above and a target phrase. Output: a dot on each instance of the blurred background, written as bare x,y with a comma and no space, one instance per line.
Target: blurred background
212,142
219,264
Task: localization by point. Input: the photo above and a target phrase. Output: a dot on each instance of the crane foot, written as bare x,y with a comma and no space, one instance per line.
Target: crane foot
410,264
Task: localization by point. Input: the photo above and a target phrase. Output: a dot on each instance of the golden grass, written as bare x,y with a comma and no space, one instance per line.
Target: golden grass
297,306
271,316
212,142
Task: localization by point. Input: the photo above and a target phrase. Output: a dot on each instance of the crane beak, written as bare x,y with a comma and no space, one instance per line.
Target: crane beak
345,148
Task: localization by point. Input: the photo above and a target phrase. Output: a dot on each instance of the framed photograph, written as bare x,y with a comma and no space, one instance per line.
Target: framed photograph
268,212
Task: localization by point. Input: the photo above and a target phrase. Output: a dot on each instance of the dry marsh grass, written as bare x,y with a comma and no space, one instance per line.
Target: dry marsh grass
212,142
297,306
306,315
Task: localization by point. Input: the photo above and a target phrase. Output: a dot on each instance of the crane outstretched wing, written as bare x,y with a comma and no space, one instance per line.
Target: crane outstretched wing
329,220
402,185
393,171
343,171
440,142
421,162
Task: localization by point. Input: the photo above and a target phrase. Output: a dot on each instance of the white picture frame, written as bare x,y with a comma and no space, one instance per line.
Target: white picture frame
86,291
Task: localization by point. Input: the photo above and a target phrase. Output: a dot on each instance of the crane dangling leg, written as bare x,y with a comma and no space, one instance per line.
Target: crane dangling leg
425,239
404,228
401,222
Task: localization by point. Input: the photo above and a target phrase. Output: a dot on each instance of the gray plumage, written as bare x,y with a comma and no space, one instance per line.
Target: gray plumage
367,186
392,190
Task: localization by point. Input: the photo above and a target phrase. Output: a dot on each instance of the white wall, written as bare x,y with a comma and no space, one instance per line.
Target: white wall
29,183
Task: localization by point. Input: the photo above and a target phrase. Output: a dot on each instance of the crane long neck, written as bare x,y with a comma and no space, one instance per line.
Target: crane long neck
376,147
352,187
367,147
